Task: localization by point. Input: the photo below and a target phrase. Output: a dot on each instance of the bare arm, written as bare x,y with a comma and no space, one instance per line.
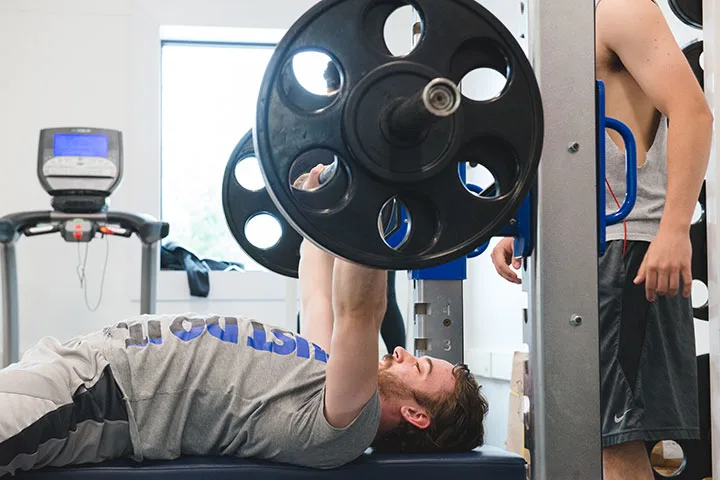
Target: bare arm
359,302
316,312
637,32
315,275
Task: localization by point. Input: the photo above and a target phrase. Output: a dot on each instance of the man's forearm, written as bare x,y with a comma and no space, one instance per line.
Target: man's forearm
359,294
689,140
315,272
315,277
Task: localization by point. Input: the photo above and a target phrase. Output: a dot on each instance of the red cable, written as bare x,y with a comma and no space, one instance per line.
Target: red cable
624,222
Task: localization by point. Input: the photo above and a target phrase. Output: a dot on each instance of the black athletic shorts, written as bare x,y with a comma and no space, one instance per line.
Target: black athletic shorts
648,369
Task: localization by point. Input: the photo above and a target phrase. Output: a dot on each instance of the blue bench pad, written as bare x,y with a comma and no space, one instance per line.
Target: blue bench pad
486,463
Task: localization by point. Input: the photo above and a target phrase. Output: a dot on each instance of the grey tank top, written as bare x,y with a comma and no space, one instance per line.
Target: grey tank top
644,220
227,385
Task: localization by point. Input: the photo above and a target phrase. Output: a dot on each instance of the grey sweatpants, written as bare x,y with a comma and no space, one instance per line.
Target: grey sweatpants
59,406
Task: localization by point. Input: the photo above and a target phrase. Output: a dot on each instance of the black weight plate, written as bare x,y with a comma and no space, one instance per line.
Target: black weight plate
447,221
699,263
690,12
241,204
692,52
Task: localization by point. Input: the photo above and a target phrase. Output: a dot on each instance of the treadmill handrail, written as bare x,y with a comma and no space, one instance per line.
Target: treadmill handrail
147,228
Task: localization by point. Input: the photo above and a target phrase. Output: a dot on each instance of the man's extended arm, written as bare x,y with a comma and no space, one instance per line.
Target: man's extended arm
637,32
359,302
315,276
343,306
316,312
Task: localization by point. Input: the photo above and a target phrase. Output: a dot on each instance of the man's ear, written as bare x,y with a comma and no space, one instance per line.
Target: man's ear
417,416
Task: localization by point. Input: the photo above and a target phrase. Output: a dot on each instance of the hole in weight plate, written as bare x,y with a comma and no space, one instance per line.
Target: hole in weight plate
697,213
323,191
394,223
494,167
481,182
667,458
483,84
311,80
248,174
316,72
483,67
701,60
699,294
301,170
263,230
401,30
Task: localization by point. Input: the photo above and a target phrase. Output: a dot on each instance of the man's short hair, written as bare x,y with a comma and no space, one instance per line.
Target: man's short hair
456,421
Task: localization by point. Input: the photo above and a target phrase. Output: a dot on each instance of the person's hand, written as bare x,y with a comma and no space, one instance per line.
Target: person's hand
310,180
666,261
502,258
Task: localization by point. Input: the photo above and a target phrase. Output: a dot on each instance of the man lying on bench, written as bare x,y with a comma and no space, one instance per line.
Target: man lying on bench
162,386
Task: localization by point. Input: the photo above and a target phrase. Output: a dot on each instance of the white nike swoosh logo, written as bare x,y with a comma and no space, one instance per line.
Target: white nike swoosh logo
621,417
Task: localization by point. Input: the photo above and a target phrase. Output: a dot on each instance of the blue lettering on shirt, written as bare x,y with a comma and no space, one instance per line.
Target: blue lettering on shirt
288,343
303,347
320,354
259,339
177,327
154,332
229,334
278,341
136,336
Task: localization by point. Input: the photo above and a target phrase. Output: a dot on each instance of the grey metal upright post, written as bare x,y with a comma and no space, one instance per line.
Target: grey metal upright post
148,281
439,319
563,322
11,316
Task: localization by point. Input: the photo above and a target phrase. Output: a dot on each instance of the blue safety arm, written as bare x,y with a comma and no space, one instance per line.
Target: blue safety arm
481,249
519,228
630,169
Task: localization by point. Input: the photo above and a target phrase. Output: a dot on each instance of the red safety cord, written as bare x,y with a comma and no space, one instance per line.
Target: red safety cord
624,222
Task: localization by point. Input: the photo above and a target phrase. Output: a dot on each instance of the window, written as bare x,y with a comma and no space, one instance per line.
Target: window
209,93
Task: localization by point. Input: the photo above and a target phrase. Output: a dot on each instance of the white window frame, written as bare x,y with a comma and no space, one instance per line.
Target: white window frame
225,286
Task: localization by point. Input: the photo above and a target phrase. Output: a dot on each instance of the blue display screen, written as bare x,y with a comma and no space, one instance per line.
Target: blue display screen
80,145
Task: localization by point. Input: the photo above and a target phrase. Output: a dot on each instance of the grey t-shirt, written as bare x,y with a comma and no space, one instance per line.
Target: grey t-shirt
644,219
220,385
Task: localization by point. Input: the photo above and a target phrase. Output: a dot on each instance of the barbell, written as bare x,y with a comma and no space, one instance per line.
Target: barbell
396,129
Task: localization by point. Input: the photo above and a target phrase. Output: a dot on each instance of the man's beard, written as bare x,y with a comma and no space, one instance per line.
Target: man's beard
389,386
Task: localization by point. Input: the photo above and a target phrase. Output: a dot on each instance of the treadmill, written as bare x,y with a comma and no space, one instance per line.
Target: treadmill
79,168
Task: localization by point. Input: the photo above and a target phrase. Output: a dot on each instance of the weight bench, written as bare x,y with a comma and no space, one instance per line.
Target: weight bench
486,463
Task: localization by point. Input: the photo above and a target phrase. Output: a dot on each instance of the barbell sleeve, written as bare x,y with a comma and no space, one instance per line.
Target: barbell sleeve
412,117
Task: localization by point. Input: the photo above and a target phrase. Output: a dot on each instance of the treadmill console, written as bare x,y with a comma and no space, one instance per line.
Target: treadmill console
80,167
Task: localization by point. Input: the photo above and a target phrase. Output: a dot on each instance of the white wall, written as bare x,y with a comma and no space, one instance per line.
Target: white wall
97,63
